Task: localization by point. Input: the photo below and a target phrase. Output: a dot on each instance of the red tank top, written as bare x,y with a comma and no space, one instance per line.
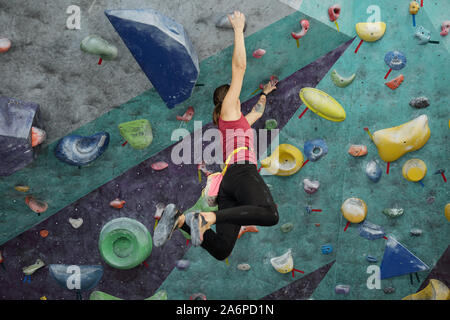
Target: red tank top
236,134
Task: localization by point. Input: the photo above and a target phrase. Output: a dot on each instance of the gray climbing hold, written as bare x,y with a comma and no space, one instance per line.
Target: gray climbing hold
416,232
371,258
420,102
389,290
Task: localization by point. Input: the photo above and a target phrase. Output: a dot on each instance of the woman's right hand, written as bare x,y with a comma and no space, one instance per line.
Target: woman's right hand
269,87
237,20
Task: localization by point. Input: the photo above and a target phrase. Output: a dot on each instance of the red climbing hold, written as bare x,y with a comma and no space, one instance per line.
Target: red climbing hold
187,116
160,165
395,83
245,229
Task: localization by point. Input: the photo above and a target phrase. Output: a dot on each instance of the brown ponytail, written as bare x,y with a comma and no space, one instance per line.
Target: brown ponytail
219,95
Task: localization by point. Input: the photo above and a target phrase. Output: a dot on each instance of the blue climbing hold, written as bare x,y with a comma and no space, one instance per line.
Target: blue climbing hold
162,49
327,248
398,261
79,151
422,35
370,231
373,171
396,60
315,149
76,277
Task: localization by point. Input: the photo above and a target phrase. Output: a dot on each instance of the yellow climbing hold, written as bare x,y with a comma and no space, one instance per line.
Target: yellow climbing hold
22,188
392,143
447,211
284,161
414,170
370,31
283,263
322,104
354,210
435,290
43,298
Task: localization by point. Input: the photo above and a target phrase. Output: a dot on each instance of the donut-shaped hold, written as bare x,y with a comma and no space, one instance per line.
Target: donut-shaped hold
315,149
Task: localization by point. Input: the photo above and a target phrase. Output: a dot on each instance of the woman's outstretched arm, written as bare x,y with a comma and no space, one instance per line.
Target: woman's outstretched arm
231,106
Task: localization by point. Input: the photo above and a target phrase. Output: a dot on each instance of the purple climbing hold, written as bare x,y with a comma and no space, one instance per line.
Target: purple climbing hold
370,231
162,49
342,289
16,120
182,264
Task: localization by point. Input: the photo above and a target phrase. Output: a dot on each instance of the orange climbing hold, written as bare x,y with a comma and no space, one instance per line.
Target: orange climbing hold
43,233
37,136
395,83
245,229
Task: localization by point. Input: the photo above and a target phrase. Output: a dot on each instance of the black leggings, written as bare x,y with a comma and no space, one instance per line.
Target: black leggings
244,199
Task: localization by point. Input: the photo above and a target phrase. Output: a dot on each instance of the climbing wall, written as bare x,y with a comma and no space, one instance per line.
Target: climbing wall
125,173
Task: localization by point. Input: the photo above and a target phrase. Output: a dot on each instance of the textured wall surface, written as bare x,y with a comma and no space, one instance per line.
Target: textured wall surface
368,103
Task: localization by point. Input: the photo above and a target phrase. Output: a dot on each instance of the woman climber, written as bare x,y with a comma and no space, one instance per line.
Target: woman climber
243,198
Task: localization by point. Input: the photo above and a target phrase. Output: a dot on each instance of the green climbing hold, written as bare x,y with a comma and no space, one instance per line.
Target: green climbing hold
271,124
96,45
287,227
99,295
124,243
160,295
393,212
138,133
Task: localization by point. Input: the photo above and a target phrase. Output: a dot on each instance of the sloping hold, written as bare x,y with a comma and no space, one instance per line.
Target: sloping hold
398,261
162,49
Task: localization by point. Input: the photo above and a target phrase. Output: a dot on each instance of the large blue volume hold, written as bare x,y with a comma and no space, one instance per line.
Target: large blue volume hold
398,261
16,119
79,151
76,277
162,49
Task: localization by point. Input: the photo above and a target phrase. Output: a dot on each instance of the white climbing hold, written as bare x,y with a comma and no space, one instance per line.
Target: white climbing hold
76,223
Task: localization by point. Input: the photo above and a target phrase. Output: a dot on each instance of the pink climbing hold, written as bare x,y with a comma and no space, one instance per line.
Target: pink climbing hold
305,27
334,11
445,28
160,165
5,44
258,53
187,116
37,206
117,203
